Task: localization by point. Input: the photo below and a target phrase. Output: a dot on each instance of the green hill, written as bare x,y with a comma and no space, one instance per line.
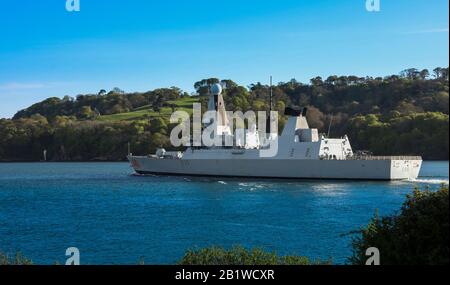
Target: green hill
146,111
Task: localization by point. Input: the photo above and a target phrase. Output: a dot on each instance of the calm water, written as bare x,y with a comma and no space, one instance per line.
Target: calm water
114,217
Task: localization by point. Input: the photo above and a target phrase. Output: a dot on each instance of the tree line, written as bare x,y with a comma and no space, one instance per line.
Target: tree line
396,114
91,106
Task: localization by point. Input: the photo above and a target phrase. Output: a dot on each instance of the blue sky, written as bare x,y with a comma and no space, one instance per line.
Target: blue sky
140,45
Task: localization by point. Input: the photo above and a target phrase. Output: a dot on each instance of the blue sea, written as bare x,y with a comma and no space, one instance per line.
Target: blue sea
115,217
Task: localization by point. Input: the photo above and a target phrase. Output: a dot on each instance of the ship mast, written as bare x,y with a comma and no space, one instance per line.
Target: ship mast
271,95
216,104
269,119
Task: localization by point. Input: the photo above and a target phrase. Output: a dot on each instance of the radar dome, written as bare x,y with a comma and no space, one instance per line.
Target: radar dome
216,89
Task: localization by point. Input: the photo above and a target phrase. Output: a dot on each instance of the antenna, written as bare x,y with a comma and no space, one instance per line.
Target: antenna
268,118
329,127
271,94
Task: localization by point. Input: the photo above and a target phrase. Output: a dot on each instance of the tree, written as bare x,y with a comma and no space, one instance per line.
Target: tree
424,74
316,118
228,84
444,73
418,235
173,107
437,72
331,80
67,98
117,90
280,107
159,140
86,112
238,255
158,125
316,81
203,86
157,104
61,121
405,107
410,73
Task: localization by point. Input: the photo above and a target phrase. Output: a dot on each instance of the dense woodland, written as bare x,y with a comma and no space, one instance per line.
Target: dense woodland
398,114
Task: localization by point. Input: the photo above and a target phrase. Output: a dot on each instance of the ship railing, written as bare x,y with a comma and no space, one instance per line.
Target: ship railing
371,157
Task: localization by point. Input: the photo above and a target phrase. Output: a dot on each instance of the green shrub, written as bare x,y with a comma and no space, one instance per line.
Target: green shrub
238,255
18,259
418,235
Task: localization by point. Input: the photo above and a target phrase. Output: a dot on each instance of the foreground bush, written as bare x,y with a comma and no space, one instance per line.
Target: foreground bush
18,259
240,256
418,235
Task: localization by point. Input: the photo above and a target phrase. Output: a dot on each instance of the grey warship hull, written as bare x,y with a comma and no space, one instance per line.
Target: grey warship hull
383,168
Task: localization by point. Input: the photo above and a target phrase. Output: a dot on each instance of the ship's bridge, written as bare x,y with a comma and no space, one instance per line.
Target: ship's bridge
299,141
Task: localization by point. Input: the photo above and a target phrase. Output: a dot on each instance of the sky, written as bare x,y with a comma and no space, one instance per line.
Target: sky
140,45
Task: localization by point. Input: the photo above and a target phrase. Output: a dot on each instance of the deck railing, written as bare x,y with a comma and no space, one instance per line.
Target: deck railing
370,157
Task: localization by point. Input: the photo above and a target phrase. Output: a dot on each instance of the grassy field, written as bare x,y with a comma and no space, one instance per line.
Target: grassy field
182,104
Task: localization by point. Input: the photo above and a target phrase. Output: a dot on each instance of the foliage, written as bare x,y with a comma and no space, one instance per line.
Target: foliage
67,139
18,259
238,255
147,111
397,114
418,235
114,102
401,134
208,256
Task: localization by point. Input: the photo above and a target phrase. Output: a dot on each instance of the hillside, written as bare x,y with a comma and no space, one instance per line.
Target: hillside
147,111
396,114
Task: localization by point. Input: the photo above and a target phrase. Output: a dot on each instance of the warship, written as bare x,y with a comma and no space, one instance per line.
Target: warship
301,153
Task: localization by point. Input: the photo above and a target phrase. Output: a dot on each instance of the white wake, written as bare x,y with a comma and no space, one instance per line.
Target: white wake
430,181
